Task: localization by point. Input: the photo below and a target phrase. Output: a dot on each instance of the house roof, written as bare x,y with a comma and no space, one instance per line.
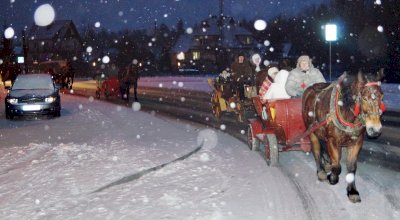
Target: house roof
228,32
210,26
183,44
57,28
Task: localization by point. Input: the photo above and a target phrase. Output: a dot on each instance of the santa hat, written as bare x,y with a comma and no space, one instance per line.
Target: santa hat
272,71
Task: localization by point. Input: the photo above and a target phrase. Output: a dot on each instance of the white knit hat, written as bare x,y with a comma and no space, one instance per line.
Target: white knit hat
273,71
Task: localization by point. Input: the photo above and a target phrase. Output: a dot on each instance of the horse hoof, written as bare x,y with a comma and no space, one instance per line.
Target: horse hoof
322,175
333,179
327,167
354,198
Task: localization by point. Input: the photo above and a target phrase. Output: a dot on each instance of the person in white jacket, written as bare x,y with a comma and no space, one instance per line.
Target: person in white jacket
277,89
303,76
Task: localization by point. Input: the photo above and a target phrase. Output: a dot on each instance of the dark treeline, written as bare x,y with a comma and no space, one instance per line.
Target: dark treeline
149,47
359,40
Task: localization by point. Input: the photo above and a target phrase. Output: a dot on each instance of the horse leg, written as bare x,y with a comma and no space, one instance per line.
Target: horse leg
325,157
352,157
316,150
334,152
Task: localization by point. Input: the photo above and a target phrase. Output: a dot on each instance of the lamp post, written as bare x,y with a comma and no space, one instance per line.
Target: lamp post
330,35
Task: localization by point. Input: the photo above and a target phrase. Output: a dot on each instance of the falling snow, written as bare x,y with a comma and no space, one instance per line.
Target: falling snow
58,174
105,59
9,33
55,176
260,25
44,15
89,49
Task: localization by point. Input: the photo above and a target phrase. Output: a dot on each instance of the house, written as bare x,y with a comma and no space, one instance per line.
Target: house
213,45
57,41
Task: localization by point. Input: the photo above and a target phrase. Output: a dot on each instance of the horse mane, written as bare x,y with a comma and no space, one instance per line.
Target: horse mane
352,83
348,89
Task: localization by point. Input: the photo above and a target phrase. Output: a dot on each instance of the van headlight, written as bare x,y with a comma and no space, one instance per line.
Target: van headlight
50,99
12,100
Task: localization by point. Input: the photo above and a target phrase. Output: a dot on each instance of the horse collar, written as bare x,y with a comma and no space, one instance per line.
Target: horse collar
337,118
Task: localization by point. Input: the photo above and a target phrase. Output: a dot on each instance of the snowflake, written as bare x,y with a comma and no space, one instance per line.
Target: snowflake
222,127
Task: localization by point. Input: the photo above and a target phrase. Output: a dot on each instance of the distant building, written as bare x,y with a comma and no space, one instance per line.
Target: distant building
57,41
213,45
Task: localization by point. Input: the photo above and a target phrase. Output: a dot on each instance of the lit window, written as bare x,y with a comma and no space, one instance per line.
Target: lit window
196,55
245,40
248,40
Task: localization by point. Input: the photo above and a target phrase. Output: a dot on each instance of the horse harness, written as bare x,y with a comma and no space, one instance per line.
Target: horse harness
334,114
336,117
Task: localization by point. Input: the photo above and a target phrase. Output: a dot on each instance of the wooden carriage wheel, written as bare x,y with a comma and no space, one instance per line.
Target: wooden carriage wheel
97,94
216,108
217,112
271,150
252,141
240,112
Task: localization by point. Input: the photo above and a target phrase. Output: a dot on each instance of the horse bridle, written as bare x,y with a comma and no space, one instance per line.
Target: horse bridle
356,110
371,101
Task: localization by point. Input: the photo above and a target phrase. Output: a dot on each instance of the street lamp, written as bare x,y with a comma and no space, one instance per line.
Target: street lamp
330,35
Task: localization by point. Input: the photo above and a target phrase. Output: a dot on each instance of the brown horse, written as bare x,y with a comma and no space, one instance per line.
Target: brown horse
350,107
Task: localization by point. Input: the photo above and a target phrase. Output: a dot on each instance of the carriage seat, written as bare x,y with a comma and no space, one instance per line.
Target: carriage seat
258,106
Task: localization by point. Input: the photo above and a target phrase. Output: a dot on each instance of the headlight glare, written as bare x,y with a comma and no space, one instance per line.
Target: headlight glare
50,99
12,100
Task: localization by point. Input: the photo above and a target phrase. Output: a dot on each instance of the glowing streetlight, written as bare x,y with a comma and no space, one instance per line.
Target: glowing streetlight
330,35
180,56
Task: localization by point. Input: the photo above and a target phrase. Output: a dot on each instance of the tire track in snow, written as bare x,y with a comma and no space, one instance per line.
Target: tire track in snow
27,159
138,175
305,196
307,201
389,197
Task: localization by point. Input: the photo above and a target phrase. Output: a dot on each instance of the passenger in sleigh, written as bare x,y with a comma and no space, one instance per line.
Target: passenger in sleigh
302,77
274,87
225,84
277,88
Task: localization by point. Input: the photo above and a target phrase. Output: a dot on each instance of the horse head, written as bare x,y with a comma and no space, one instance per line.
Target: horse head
369,101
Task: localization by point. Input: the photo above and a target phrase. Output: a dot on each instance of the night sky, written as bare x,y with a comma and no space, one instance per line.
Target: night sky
136,14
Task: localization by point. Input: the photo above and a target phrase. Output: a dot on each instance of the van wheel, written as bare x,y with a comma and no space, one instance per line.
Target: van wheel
57,113
9,116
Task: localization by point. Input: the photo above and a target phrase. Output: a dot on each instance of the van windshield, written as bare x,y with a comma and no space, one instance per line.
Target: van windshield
33,82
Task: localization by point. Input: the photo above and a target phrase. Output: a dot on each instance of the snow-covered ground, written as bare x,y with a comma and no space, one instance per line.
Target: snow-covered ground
103,161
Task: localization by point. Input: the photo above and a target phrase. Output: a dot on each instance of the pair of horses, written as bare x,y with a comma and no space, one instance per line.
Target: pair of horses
355,106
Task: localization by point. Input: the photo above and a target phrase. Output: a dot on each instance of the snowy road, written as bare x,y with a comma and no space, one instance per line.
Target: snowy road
49,169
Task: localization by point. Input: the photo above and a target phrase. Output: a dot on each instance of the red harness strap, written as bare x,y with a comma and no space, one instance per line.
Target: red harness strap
356,108
339,116
373,84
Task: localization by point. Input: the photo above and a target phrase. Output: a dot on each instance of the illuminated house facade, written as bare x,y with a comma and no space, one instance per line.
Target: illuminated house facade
212,46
